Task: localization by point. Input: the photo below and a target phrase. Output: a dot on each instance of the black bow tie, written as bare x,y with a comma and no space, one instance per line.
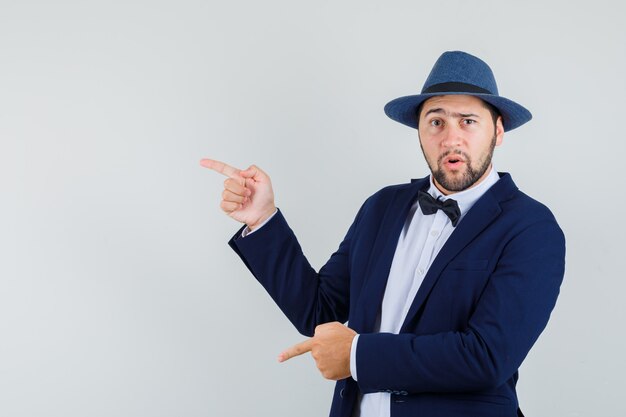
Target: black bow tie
430,205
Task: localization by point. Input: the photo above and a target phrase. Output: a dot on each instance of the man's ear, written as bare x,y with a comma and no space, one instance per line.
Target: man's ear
499,131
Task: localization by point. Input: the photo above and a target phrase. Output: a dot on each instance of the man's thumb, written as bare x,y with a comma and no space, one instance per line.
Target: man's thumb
250,172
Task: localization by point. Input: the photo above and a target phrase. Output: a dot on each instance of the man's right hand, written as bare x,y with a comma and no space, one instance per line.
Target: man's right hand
248,196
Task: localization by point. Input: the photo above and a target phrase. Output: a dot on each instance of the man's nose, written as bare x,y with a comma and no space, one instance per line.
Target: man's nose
452,136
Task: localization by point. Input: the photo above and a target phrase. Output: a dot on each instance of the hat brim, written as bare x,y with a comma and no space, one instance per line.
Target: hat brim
404,109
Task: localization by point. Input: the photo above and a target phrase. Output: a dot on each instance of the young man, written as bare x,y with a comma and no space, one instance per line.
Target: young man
446,281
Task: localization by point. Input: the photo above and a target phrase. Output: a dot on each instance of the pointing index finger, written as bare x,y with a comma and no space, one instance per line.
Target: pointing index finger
296,350
221,167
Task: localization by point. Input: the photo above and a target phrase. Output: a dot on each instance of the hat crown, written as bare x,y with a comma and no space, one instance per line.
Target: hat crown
461,67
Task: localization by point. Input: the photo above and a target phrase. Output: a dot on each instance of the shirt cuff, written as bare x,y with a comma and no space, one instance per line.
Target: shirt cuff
353,357
246,231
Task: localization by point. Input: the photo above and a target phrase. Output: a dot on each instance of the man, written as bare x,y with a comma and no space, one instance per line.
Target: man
446,282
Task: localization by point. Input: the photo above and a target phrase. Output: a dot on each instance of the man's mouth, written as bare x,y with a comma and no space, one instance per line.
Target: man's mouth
453,161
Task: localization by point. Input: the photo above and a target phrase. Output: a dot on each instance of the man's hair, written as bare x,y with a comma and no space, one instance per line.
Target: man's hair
492,109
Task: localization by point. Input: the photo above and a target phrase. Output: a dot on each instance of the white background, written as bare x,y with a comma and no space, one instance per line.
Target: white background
118,293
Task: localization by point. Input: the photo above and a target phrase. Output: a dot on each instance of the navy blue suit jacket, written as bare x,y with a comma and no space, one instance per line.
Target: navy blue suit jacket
483,303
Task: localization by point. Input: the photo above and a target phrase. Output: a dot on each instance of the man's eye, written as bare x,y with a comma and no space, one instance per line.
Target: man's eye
469,121
435,122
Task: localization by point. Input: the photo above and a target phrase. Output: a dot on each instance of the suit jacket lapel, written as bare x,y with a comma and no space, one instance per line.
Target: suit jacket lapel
369,303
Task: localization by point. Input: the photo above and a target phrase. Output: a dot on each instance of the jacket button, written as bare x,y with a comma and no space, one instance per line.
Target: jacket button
341,393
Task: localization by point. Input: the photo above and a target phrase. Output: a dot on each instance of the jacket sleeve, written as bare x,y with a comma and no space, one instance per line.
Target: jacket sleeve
306,297
512,311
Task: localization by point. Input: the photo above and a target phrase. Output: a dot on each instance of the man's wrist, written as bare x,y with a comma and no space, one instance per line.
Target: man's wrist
246,230
263,219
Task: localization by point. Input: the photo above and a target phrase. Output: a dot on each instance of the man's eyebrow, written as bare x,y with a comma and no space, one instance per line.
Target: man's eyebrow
442,111
435,110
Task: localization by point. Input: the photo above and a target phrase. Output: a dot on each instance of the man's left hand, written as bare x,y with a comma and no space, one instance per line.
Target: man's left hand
330,347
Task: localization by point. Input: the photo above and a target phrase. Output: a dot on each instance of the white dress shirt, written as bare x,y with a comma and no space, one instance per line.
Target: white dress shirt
420,241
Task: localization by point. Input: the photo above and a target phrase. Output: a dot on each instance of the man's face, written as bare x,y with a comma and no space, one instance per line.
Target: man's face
457,136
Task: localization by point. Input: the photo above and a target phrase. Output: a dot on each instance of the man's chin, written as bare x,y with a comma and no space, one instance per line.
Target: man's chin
454,182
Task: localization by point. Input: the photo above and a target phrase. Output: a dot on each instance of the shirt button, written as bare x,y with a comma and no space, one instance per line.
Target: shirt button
434,233
421,271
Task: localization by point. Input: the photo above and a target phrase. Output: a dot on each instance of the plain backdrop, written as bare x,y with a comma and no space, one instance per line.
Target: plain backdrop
118,293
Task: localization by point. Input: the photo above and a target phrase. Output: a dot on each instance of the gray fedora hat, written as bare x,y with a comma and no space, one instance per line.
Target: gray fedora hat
457,72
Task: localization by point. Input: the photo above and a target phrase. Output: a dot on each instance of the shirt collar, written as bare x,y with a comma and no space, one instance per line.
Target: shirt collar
467,198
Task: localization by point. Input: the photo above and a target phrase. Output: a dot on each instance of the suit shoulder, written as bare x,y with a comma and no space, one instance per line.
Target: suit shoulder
528,207
378,203
523,213
386,194
390,190
515,203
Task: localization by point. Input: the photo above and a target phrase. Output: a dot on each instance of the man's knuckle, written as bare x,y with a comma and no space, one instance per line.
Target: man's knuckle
321,328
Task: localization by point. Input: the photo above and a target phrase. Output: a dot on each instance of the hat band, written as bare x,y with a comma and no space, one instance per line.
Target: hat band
454,87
